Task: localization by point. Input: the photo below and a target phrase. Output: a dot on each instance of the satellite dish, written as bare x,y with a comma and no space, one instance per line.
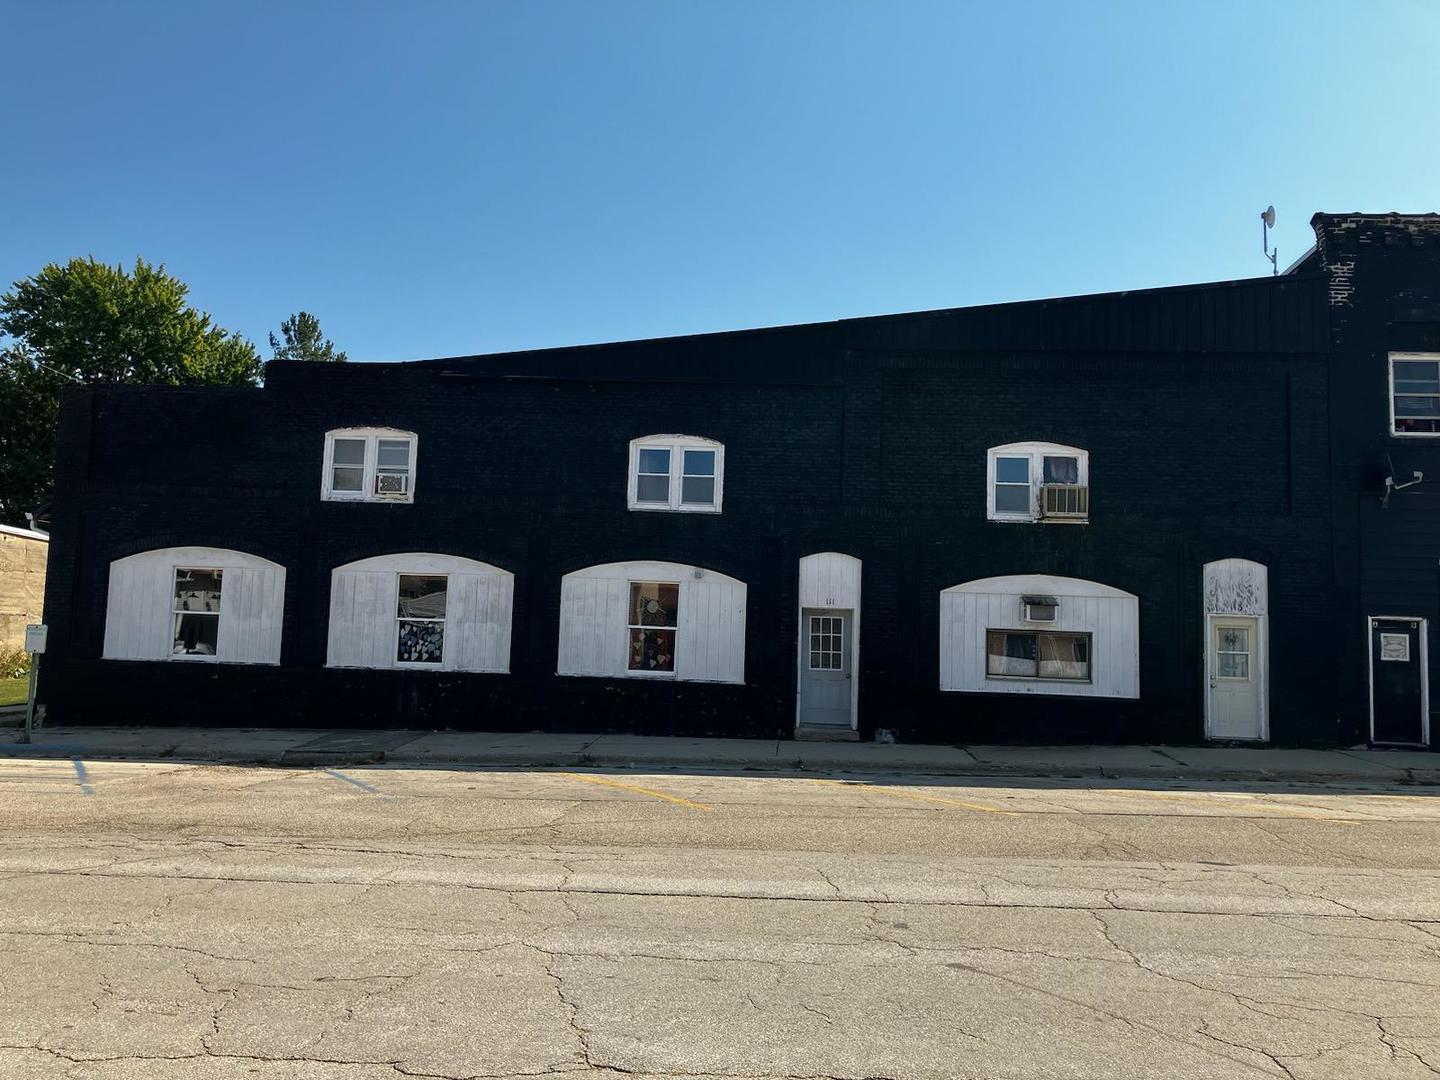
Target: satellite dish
1269,216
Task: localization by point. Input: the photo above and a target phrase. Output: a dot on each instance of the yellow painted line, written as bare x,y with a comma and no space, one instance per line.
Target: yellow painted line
923,798
676,799
1246,810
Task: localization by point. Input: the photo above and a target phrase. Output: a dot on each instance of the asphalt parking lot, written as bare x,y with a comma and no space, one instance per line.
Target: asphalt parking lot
165,919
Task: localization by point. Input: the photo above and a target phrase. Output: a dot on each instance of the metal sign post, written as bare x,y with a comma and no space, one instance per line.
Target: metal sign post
35,635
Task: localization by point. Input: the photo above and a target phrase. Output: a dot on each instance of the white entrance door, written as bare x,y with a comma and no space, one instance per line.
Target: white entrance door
825,673
1234,666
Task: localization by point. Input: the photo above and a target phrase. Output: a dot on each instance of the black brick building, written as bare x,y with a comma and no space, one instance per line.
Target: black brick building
1147,516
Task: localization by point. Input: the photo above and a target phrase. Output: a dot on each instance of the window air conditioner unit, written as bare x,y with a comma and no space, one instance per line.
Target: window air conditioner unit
1039,608
392,484
1065,501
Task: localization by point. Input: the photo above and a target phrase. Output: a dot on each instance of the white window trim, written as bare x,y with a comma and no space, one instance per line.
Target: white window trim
201,658
372,437
1036,452
676,444
640,673
421,665
1390,366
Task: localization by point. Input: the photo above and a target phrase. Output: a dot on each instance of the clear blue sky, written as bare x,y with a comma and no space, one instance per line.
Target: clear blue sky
441,178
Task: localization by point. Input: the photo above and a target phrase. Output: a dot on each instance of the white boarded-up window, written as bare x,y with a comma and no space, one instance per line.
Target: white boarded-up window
421,611
195,603
1090,649
616,619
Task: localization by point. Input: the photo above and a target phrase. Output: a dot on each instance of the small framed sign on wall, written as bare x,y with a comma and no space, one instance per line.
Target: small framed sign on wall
1395,647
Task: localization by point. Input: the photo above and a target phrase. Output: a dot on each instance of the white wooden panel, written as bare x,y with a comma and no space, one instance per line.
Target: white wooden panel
829,580
1111,616
252,610
478,608
137,610
139,624
362,619
477,622
709,638
1236,587
710,644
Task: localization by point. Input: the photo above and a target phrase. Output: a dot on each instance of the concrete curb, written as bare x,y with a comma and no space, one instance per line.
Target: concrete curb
777,757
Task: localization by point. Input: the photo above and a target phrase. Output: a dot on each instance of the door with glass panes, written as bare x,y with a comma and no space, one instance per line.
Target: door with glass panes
825,668
1236,687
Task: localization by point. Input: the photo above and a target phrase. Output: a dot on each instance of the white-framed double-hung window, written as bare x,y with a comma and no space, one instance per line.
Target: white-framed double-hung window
420,603
1036,481
654,616
369,465
196,608
682,473
1415,394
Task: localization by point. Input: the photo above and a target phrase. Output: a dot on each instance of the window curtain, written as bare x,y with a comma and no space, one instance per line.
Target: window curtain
1063,657
1062,470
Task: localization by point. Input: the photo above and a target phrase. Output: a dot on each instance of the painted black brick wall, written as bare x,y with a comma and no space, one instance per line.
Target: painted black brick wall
1205,412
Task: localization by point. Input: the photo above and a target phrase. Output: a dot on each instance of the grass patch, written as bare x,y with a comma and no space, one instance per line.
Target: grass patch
14,691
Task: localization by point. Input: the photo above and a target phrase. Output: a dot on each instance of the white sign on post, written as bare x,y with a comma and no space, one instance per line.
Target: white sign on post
35,635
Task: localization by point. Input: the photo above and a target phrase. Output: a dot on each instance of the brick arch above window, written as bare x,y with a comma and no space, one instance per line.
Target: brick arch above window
676,473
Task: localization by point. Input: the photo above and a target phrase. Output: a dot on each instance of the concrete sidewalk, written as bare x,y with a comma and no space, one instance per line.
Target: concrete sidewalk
292,746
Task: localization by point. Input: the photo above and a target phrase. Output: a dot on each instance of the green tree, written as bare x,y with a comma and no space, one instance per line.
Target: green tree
302,340
86,322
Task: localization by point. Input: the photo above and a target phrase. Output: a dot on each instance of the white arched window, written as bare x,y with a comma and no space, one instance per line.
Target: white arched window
684,473
369,465
1040,634
1035,481
652,620
195,603
422,611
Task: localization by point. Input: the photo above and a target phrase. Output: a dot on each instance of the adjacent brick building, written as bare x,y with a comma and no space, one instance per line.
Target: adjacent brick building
22,583
1144,516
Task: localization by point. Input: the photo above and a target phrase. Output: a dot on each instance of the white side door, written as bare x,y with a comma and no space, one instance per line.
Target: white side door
825,669
1235,669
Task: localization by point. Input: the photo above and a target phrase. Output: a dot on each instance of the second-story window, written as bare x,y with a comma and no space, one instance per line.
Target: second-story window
676,472
1415,394
369,465
1037,482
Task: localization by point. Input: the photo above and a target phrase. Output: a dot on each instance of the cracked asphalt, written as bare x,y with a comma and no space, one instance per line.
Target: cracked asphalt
165,920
